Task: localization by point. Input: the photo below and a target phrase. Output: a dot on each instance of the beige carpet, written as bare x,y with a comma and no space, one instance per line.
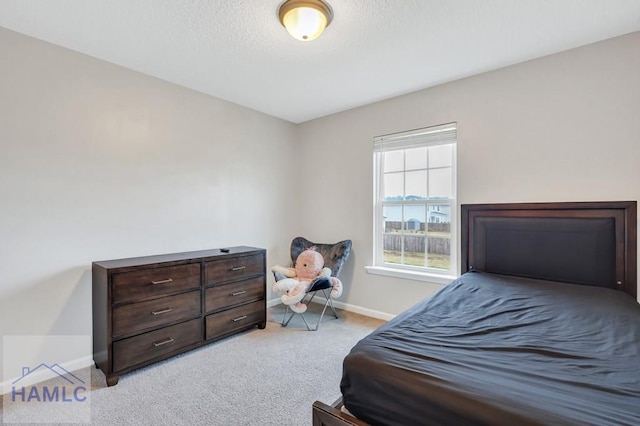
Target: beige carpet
260,377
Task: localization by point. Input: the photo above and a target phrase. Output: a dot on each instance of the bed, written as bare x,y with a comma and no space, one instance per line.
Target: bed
543,328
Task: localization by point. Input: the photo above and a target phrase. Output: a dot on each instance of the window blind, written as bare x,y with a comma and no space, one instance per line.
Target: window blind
427,136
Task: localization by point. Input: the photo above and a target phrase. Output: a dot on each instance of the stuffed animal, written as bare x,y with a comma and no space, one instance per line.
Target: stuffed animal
308,268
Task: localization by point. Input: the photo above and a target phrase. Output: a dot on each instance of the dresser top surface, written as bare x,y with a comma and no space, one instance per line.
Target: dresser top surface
183,257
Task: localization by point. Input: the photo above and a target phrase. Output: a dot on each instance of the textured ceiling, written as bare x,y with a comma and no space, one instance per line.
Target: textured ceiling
374,49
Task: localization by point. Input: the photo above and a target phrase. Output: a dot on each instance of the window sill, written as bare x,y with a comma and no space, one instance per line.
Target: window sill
410,275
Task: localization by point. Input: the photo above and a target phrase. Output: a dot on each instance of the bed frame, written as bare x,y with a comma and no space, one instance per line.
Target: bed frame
583,243
597,242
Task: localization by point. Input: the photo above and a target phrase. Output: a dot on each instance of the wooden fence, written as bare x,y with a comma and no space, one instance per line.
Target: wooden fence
431,227
415,243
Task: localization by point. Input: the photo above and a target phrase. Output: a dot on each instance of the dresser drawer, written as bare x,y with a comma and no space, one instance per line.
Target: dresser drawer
232,294
231,269
153,313
234,319
134,350
147,283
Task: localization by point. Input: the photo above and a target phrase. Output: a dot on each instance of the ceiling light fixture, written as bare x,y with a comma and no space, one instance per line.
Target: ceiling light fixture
305,19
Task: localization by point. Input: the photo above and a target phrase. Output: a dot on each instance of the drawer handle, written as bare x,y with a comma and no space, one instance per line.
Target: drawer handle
164,342
164,311
168,280
239,318
238,293
237,268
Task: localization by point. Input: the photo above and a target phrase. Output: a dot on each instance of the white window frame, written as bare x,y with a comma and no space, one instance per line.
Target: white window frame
425,137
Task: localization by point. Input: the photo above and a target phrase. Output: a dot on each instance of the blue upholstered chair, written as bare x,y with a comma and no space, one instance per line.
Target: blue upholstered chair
335,256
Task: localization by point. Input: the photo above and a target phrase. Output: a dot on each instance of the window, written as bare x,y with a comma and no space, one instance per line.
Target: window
415,200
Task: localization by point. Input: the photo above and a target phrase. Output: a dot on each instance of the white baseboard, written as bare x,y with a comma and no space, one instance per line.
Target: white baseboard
359,310
346,306
273,302
41,376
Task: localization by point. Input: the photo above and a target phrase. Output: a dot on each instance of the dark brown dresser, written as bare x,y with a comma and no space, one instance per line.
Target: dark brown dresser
147,309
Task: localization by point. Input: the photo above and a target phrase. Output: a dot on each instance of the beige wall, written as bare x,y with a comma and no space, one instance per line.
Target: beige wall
100,162
561,128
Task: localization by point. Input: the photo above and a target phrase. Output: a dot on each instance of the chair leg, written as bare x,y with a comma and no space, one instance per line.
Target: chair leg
311,299
307,324
328,303
285,320
320,319
333,309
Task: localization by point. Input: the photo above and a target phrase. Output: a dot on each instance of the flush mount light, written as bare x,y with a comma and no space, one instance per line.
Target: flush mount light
305,19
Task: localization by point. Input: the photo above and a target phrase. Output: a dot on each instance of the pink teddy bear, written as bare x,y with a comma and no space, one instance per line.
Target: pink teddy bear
309,266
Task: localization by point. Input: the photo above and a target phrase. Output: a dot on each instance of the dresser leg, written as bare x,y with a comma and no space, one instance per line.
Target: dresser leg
112,381
262,325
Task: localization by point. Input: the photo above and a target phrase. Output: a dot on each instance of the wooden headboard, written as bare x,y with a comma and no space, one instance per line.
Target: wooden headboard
592,243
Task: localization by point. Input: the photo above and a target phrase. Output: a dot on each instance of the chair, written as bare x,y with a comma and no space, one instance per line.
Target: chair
335,256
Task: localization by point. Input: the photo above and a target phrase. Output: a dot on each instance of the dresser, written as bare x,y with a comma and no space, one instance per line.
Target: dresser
147,309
